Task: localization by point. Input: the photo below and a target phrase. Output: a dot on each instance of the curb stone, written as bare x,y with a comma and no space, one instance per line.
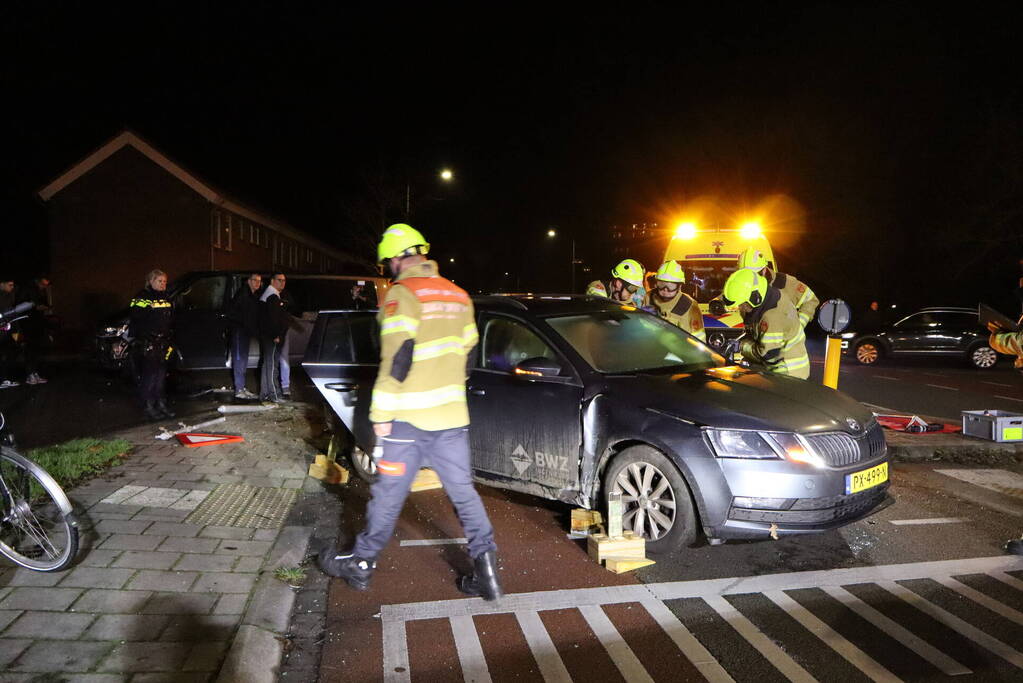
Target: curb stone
256,652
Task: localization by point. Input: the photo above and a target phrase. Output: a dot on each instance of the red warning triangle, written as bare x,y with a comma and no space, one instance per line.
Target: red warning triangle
194,440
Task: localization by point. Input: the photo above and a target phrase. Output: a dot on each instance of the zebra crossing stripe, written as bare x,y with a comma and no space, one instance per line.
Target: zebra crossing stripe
955,623
755,637
854,655
921,647
470,651
694,651
619,651
395,643
981,599
1008,579
540,644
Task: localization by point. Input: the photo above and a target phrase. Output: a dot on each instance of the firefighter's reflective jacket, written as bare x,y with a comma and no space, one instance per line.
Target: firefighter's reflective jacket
774,337
801,296
427,334
681,311
1010,343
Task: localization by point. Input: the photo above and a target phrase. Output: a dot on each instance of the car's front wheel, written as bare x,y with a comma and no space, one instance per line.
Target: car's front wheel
982,357
656,502
868,352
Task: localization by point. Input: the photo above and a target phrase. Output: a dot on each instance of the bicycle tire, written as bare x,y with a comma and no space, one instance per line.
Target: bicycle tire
38,529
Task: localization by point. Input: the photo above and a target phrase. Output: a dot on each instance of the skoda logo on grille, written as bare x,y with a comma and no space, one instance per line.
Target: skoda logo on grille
853,424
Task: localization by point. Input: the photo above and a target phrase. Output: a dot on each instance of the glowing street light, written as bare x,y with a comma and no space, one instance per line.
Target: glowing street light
446,175
552,233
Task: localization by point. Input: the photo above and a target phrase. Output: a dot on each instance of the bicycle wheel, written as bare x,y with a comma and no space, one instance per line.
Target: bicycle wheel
37,527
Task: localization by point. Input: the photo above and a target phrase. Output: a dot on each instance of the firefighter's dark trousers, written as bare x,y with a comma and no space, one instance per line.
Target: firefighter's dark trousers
405,451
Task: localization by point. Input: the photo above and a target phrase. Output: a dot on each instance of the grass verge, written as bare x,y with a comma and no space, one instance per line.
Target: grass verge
73,461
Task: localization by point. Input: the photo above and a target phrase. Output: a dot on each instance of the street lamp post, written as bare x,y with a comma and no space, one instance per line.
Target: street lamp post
445,174
554,233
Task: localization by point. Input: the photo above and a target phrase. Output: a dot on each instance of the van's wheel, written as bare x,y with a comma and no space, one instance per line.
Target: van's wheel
656,503
363,464
982,357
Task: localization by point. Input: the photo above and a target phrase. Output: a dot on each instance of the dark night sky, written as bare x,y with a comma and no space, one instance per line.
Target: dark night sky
895,127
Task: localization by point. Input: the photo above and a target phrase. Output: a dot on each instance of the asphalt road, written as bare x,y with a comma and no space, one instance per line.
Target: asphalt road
928,386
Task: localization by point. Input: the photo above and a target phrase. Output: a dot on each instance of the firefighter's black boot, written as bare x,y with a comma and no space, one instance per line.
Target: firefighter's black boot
152,412
356,571
161,405
483,580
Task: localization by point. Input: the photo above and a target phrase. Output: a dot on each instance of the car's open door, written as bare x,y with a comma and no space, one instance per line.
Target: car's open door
342,360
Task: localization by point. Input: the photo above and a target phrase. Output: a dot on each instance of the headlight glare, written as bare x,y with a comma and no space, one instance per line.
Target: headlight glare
796,450
729,443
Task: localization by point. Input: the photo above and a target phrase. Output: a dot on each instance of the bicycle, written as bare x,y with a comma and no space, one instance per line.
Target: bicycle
38,528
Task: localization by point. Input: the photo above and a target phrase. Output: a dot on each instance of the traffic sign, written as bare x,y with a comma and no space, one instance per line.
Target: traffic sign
834,316
195,440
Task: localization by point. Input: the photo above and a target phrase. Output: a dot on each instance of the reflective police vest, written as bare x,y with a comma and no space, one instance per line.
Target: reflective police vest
801,296
681,311
774,337
426,334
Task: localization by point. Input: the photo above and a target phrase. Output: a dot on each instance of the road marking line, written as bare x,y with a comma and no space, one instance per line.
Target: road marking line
693,650
1009,398
435,541
932,374
619,651
470,651
997,384
1001,481
544,652
395,645
1008,579
925,650
981,599
852,654
760,642
955,623
929,520
887,377
881,408
941,386
609,595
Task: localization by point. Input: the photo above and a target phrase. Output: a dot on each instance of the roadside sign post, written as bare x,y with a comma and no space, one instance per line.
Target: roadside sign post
833,316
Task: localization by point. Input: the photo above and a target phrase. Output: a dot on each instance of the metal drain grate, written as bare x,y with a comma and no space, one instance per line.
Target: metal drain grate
244,506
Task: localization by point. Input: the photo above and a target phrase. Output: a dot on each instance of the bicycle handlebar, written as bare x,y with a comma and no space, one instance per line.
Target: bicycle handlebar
23,307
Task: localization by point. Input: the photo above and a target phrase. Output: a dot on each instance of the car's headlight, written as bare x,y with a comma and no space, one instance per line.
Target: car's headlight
737,444
847,335
110,330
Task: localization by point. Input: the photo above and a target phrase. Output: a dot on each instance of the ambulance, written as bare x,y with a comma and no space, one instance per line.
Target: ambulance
708,256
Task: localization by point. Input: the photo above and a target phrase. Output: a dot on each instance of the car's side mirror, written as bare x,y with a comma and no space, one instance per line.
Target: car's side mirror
533,368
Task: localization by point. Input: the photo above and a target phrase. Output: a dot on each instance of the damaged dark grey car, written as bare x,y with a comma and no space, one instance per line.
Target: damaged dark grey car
575,397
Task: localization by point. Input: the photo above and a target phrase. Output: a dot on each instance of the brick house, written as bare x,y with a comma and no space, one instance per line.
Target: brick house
127,208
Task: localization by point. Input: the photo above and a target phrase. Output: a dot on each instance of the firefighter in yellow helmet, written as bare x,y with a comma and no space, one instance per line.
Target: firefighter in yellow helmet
773,335
419,412
625,285
801,296
668,300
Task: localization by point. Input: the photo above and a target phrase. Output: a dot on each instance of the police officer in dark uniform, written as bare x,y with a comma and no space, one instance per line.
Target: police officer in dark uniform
152,316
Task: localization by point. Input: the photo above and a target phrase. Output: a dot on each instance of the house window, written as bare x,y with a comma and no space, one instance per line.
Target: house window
215,220
227,233
308,255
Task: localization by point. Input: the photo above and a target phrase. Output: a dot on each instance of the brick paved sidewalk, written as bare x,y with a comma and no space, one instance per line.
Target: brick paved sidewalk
165,577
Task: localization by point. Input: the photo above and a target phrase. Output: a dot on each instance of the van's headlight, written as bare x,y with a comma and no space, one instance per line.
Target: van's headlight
729,443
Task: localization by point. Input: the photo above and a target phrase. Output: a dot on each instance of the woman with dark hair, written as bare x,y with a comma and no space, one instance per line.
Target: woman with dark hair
152,318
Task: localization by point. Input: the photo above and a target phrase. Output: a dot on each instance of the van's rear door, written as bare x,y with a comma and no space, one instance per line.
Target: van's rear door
342,359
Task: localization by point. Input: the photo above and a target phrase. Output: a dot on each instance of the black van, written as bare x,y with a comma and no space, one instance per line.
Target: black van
201,328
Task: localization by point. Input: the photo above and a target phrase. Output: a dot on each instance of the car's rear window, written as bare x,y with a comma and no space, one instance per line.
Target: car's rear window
629,341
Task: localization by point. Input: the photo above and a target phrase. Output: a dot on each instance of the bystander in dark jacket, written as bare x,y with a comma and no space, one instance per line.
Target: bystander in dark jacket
9,349
273,330
244,316
34,328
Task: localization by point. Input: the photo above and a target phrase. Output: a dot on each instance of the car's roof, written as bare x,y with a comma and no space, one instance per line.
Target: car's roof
948,309
350,272
546,304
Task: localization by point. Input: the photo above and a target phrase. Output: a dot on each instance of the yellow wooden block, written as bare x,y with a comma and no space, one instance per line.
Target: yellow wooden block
336,474
425,480
628,546
321,460
620,565
582,519
317,471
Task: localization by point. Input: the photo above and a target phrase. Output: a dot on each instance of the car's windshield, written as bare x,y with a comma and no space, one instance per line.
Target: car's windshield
628,341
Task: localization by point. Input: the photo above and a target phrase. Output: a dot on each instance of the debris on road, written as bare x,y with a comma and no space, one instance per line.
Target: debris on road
235,410
165,434
197,439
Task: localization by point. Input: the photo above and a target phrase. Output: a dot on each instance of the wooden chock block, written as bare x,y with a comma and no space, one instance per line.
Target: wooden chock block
584,520
628,547
321,460
425,480
317,471
335,474
619,565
